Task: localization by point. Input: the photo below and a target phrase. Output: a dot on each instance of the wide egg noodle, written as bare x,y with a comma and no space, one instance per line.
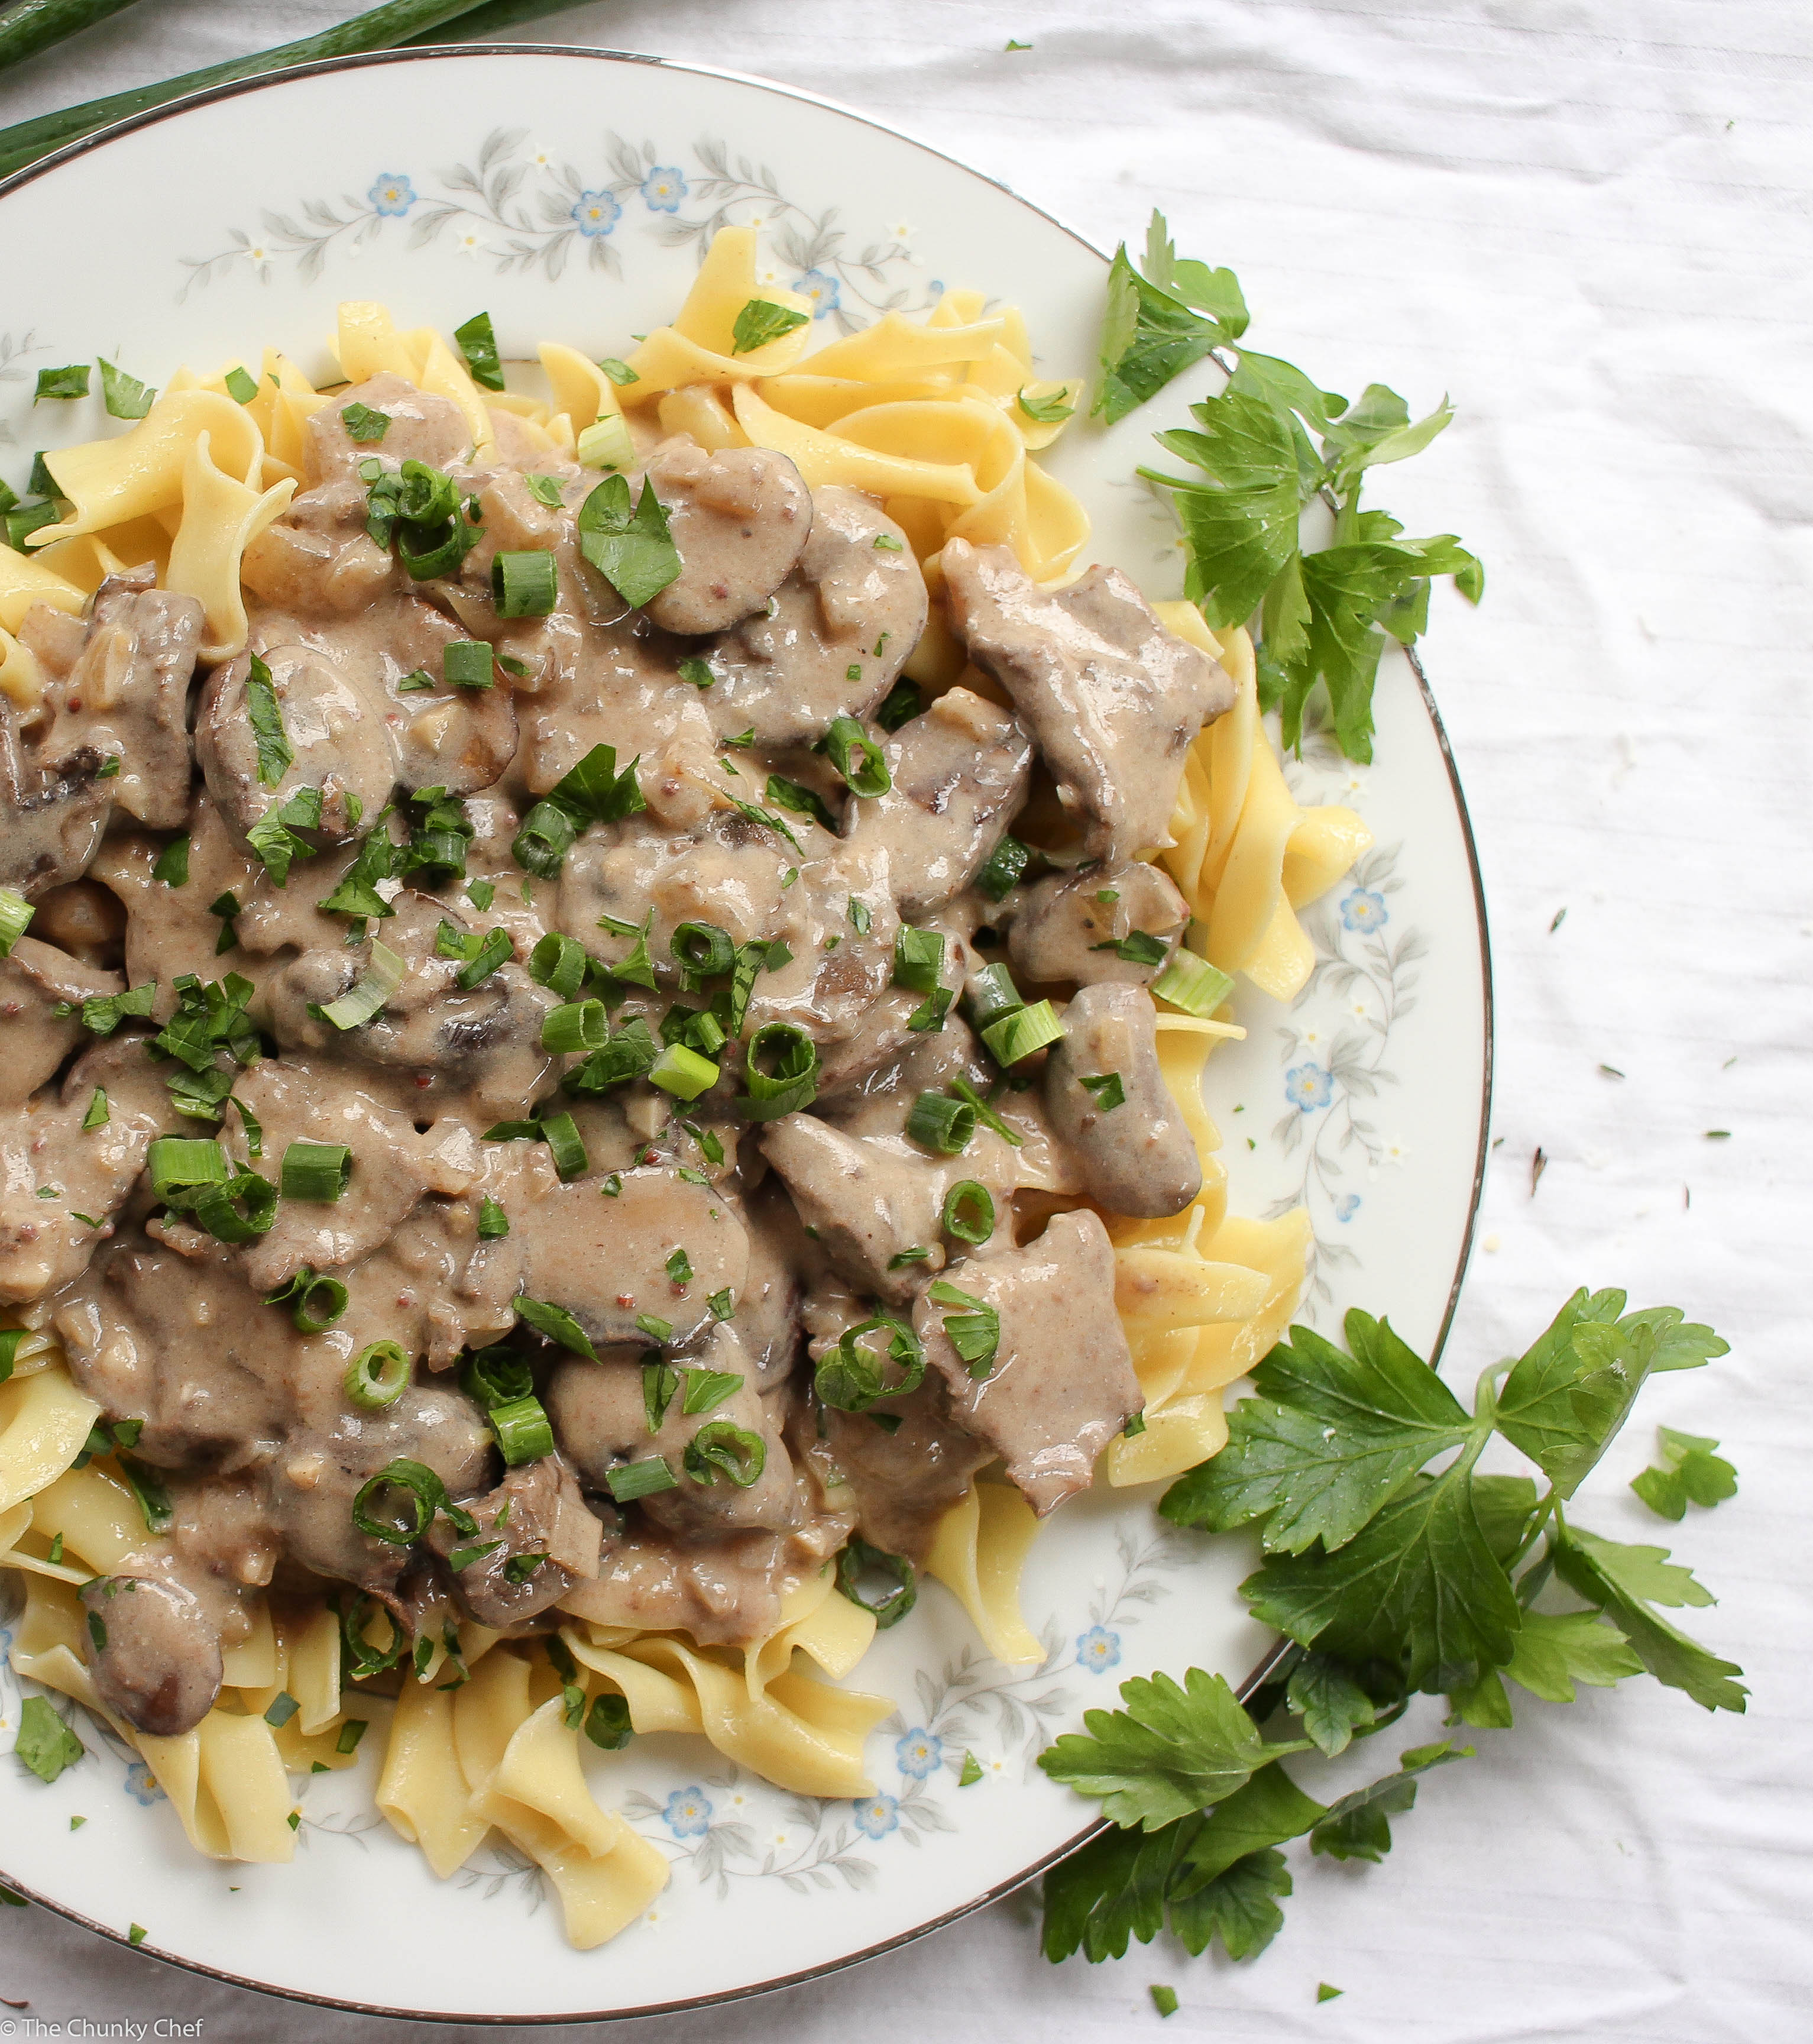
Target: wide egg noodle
1246,857
978,1553
43,1422
220,518
697,347
752,1703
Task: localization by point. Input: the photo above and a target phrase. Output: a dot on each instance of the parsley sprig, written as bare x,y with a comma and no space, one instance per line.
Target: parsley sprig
1394,1566
1271,445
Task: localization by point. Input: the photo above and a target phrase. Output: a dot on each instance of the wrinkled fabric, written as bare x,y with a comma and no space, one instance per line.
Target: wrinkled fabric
1588,223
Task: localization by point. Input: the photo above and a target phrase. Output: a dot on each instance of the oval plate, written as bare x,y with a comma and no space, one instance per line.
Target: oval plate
570,193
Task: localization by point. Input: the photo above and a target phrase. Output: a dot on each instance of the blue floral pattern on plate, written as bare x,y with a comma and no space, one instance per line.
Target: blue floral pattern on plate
688,1813
918,1753
1098,1650
523,211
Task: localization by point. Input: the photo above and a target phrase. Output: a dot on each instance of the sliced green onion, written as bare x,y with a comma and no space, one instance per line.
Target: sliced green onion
1192,984
1135,1424
918,959
619,372
16,914
1108,1089
172,867
702,950
377,1376
642,1479
858,758
696,1027
63,384
318,1171
497,949
524,585
426,1493
939,1123
265,714
481,894
683,1073
99,1114
438,839
974,1332
709,1389
242,386
723,1448
781,1072
558,963
593,791
760,321
523,1431
986,1114
240,1211
282,1709
990,994
1017,1036
1137,948
179,1163
574,1027
849,1376
858,1558
606,444
300,1293
350,1733
479,344
1006,863
359,1657
497,1376
902,1259
451,942
969,1212
698,671
931,1011
556,1324
561,1133
468,663
367,994
608,1722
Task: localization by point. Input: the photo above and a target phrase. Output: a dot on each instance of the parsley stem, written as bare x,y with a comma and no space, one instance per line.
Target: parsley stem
1547,1504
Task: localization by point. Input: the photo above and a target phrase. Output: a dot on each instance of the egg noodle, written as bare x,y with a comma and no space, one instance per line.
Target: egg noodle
928,418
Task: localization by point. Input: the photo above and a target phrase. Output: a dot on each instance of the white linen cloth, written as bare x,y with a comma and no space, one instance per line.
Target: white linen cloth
1587,220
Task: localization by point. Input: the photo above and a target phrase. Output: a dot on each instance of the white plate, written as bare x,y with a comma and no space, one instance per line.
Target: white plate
445,183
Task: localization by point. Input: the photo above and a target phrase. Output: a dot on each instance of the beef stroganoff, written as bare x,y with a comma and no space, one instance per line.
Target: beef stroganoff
606,996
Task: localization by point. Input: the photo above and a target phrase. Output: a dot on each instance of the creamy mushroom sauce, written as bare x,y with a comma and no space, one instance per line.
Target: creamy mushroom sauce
688,1235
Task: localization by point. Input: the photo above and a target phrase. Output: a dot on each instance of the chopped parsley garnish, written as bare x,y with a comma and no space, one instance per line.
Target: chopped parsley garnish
632,550
479,344
760,321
